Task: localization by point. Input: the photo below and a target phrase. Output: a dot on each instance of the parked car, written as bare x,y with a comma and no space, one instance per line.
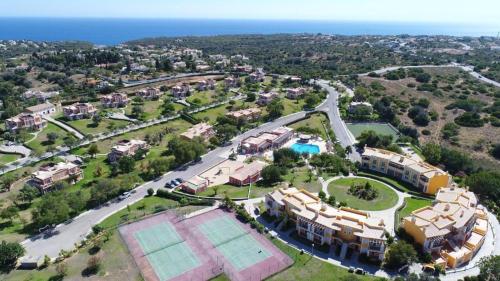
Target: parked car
124,196
351,269
180,180
360,271
174,183
168,185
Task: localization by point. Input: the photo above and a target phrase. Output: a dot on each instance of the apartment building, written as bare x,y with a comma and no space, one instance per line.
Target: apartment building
149,93
202,130
126,148
295,93
79,111
425,177
323,224
48,175
28,121
266,98
42,109
181,91
246,115
247,174
114,100
205,85
453,227
273,139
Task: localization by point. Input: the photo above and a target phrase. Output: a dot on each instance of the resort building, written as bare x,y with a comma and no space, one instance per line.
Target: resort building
274,139
425,177
42,109
195,185
258,76
355,106
266,98
48,175
32,122
79,111
452,229
181,91
243,68
247,174
231,82
126,148
295,93
201,130
246,115
322,224
149,93
114,100
205,85
179,65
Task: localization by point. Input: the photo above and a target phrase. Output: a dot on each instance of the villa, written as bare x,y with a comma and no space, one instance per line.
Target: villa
247,174
326,225
425,177
452,229
266,98
274,139
39,95
42,109
126,148
257,76
231,82
149,93
48,175
79,111
114,100
181,91
205,85
295,93
201,130
32,122
246,115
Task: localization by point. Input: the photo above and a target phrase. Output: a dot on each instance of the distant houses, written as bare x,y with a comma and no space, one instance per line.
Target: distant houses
42,109
126,148
40,95
246,115
258,76
266,98
295,93
205,85
52,173
149,93
79,111
201,130
28,121
115,100
231,82
181,91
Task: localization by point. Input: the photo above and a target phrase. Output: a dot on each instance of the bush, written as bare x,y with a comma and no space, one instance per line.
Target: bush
399,253
469,119
151,192
9,253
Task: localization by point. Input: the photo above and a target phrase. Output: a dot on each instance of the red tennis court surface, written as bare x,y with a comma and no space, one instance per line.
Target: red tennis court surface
205,260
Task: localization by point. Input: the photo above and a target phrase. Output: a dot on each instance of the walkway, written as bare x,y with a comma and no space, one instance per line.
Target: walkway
65,127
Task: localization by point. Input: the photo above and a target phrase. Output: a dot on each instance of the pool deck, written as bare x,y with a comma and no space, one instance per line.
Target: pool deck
319,142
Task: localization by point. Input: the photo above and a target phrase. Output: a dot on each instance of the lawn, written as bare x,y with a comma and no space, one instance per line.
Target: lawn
297,177
152,108
231,191
41,142
380,128
8,157
387,198
292,106
314,122
85,126
201,98
306,267
412,204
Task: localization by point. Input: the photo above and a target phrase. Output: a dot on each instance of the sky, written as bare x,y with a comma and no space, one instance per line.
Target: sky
479,12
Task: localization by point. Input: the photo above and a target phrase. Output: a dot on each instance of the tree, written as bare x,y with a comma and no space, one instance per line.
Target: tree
226,132
285,157
432,153
93,264
275,109
96,119
400,253
62,269
9,213
9,253
185,150
70,141
28,193
151,192
52,137
159,166
331,200
495,151
137,111
485,183
250,97
322,195
311,101
271,174
7,181
371,139
126,164
52,209
93,150
489,268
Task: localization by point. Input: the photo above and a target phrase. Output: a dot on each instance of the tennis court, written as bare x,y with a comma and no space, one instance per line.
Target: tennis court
380,128
166,251
235,243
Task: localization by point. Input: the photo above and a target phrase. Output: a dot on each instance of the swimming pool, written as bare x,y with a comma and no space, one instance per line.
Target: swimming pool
305,148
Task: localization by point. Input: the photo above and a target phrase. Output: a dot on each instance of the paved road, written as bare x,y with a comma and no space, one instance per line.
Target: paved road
66,235
128,84
65,127
330,106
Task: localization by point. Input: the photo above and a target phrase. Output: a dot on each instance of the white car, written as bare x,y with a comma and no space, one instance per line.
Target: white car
124,196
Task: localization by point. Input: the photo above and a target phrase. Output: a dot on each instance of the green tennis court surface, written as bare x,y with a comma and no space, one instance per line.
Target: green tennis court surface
236,244
380,128
167,253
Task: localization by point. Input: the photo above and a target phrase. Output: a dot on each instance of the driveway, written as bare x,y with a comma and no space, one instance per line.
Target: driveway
65,127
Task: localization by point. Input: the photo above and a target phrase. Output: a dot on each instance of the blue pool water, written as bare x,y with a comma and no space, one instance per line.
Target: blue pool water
305,148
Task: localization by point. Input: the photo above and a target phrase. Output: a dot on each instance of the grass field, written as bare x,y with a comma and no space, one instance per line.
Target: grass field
231,191
152,108
387,198
306,267
85,126
7,158
201,98
314,122
292,106
380,128
41,142
413,204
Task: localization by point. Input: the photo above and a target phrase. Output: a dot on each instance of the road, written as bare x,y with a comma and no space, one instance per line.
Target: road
330,107
70,129
128,84
66,235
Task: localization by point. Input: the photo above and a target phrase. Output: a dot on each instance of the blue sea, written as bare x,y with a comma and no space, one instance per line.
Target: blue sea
116,31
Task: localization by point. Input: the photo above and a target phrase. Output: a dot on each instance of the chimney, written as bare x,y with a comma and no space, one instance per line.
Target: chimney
462,213
447,207
323,207
316,215
413,219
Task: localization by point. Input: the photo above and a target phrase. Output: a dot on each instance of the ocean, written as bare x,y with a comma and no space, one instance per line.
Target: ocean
116,31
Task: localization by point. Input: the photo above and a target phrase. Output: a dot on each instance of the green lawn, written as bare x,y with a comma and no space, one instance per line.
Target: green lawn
8,157
211,115
231,191
306,267
314,122
41,142
202,98
404,187
387,198
297,177
292,106
412,204
85,126
380,128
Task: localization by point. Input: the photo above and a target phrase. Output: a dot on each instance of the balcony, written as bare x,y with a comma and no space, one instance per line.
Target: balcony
375,247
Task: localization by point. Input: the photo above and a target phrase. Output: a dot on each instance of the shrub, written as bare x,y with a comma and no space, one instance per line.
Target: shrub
151,192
